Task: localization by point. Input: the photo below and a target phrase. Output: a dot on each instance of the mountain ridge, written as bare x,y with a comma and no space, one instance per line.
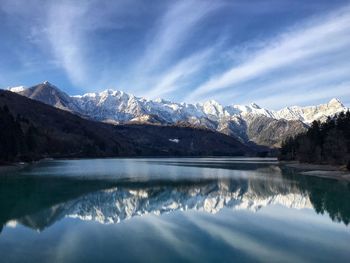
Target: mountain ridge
32,130
210,107
244,122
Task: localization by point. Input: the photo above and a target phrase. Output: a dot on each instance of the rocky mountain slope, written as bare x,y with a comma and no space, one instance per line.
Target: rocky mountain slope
246,123
45,131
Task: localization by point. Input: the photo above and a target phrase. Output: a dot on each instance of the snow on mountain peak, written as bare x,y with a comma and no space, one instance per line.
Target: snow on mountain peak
255,106
309,114
17,89
49,84
120,106
108,92
212,107
159,100
335,102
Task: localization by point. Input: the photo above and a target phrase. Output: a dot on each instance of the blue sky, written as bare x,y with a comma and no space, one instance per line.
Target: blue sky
276,52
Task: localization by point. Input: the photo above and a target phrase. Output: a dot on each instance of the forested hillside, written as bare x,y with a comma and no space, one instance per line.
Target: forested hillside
323,143
31,130
22,140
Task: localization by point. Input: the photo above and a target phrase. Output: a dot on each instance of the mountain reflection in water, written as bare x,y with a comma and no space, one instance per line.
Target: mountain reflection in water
38,202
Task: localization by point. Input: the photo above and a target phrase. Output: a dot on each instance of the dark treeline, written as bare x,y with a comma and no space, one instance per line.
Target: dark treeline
21,140
323,143
17,136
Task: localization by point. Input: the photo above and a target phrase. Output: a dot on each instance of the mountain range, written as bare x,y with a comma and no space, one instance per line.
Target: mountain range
31,130
247,123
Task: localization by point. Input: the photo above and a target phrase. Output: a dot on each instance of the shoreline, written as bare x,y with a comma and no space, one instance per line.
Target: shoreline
316,170
319,170
12,167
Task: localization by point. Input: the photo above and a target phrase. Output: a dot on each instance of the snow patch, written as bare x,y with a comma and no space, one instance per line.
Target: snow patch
11,223
17,89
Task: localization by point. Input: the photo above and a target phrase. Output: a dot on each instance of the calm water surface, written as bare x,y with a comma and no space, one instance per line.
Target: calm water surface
172,210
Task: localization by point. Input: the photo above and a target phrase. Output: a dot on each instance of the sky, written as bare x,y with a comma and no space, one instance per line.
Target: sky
275,53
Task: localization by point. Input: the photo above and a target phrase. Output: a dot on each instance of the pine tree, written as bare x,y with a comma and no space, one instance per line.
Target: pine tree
327,142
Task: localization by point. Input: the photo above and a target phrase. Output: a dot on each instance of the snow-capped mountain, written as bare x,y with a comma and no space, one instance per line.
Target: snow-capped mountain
311,113
49,94
245,122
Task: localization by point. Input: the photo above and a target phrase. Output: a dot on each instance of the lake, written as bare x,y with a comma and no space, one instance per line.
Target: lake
172,210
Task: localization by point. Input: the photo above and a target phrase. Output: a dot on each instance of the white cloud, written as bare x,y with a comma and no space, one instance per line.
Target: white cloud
69,25
66,40
316,38
310,79
174,27
161,69
184,69
322,93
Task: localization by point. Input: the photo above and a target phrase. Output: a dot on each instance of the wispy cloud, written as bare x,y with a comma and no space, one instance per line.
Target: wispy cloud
316,38
69,25
320,94
179,73
173,29
66,39
311,80
188,50
162,69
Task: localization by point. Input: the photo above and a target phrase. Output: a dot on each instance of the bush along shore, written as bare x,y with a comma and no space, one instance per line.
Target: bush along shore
323,143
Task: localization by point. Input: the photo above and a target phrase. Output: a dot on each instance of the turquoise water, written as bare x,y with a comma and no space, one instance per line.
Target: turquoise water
172,210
